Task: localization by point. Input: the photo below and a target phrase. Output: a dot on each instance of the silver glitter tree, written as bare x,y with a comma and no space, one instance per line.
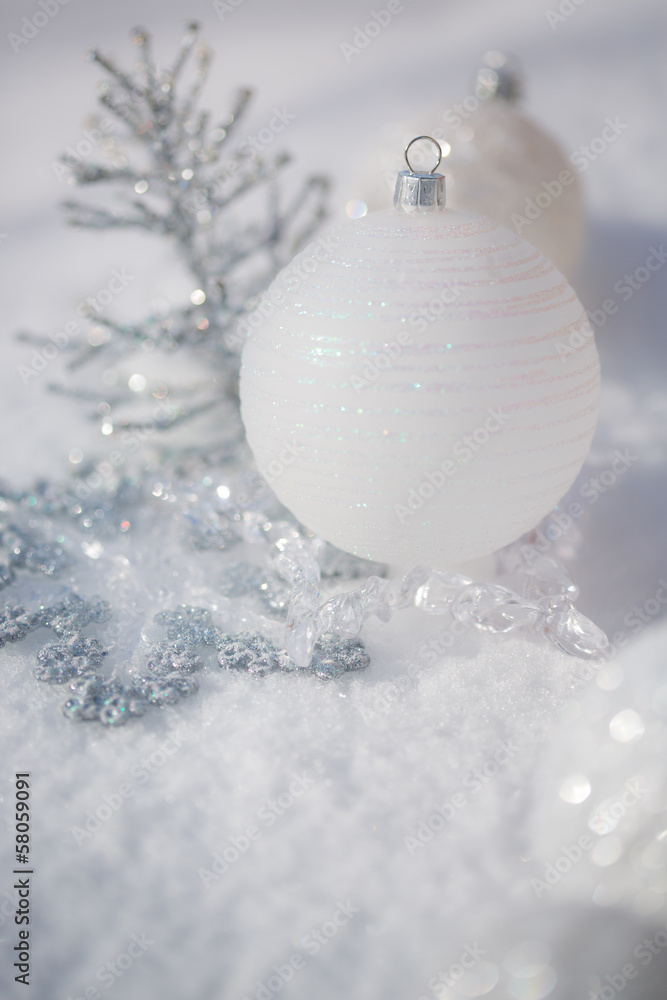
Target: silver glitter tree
184,175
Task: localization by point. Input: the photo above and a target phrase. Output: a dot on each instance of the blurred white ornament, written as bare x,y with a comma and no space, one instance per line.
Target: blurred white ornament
498,162
422,385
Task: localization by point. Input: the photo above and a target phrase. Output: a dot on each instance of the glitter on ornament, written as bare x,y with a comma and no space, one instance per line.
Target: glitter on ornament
473,399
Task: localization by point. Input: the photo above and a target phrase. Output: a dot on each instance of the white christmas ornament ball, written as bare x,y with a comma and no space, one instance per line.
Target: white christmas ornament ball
499,162
420,388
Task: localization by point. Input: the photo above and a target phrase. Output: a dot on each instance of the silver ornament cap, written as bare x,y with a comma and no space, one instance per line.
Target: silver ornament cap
499,77
417,191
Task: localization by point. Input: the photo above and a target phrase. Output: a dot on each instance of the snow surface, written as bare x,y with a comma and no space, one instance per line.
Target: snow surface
382,748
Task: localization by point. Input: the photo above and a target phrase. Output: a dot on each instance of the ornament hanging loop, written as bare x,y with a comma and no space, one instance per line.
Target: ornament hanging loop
428,138
420,192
